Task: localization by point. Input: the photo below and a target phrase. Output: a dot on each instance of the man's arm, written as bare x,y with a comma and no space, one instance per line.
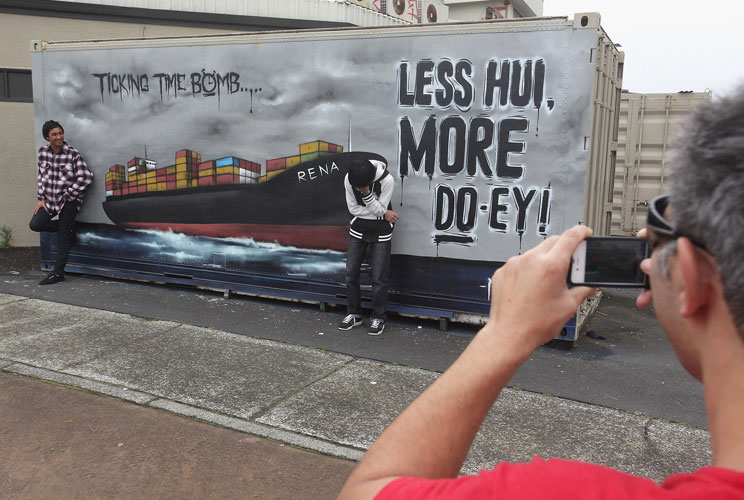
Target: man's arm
530,303
83,177
40,159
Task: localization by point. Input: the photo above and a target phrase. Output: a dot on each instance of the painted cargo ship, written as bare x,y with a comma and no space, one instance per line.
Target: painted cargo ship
295,200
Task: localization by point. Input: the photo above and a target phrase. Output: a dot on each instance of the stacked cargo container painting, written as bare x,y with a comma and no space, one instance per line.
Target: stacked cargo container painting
143,176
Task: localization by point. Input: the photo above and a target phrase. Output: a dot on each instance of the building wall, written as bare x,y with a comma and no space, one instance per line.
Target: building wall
18,159
473,10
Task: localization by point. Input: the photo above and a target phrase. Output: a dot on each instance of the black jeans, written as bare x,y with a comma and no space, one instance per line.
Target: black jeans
380,256
64,227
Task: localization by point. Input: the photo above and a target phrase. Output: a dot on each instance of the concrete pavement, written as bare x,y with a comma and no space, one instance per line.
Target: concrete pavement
313,398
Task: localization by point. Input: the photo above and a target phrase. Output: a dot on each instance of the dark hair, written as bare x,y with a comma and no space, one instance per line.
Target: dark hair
361,173
49,126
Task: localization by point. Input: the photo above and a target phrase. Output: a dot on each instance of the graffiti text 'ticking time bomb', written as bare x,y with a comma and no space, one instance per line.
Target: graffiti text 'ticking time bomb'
489,145
199,83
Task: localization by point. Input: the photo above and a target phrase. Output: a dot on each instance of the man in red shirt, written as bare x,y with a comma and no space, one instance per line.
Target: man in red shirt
697,287
62,178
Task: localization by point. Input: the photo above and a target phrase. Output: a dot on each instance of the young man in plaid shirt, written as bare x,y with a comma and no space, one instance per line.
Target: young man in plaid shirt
63,176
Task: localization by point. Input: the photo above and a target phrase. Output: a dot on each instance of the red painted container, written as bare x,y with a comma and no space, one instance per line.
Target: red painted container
276,164
206,181
227,179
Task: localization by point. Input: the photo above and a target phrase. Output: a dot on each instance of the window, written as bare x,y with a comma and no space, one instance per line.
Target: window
15,85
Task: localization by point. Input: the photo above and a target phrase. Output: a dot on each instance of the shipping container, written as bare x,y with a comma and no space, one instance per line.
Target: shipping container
309,156
497,134
231,170
648,124
276,164
227,179
293,161
271,175
207,181
229,160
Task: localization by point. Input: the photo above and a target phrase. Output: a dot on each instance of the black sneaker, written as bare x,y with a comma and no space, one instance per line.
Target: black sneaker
377,326
52,279
349,322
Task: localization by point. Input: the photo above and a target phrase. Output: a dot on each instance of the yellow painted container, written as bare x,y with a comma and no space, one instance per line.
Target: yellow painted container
293,160
183,176
162,186
152,187
262,179
181,161
182,167
206,172
151,175
183,184
273,174
228,170
194,183
313,147
170,170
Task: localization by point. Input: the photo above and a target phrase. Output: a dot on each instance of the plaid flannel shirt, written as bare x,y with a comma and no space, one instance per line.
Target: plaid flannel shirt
61,177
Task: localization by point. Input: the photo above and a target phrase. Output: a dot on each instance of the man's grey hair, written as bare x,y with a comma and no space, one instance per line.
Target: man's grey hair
707,190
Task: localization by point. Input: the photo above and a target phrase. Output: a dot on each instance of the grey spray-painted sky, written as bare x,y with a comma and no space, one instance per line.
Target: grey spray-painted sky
671,45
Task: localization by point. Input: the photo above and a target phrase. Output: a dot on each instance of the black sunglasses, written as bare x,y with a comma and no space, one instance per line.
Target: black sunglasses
660,226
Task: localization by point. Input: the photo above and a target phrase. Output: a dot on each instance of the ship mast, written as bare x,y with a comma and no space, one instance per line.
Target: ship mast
349,145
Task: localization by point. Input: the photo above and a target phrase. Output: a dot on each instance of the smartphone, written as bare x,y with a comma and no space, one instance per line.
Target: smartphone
609,261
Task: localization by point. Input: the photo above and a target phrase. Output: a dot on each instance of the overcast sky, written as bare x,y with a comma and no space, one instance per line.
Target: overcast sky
671,45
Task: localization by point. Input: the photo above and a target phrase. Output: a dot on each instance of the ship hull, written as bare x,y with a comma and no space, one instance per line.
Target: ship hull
305,206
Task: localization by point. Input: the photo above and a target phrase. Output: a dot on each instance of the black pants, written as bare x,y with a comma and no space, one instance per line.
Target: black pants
380,256
64,227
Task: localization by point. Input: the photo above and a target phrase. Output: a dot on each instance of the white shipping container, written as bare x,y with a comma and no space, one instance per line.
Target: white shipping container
648,123
498,135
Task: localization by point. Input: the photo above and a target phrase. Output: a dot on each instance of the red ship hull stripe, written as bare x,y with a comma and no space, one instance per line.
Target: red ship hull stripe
315,237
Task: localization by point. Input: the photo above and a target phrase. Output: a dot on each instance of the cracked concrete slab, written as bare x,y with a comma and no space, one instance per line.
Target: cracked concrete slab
55,336
305,442
220,371
522,424
352,406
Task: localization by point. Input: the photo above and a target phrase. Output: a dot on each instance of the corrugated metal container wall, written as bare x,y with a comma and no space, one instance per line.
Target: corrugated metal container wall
607,90
648,123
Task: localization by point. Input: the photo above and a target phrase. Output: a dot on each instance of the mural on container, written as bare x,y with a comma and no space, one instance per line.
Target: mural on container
233,156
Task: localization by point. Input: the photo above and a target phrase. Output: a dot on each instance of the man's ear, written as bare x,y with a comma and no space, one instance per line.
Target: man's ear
695,272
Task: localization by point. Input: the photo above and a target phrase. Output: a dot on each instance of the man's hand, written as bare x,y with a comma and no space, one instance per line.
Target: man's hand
39,204
391,217
530,301
365,190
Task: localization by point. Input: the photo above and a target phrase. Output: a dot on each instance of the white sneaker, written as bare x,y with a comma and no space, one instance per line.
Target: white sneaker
349,322
376,327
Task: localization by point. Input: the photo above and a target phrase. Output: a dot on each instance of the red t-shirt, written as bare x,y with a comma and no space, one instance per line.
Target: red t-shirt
564,479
